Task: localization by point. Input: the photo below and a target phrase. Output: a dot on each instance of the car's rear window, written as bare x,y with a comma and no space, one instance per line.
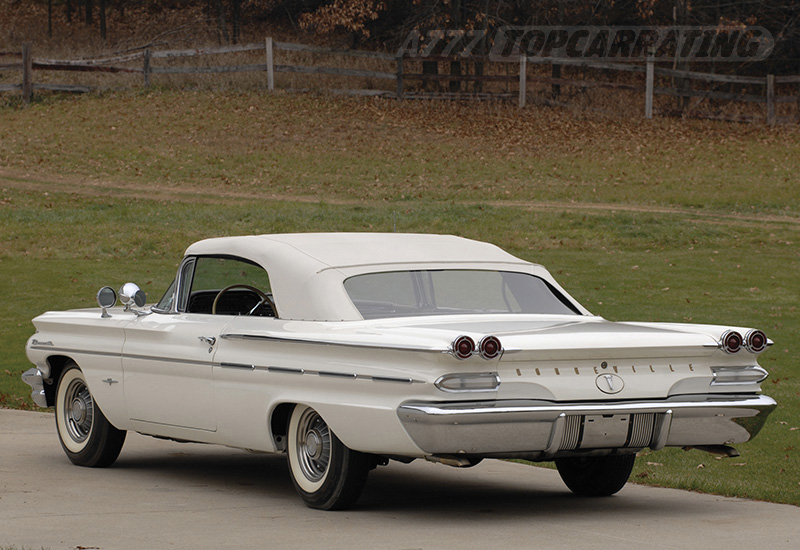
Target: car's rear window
453,292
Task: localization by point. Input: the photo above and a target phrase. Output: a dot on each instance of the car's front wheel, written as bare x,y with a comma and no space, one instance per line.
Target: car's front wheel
326,474
596,476
87,437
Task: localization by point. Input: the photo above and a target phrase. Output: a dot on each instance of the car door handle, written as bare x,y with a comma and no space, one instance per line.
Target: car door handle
210,340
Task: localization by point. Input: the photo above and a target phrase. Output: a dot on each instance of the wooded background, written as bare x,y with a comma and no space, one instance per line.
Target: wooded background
383,25
351,46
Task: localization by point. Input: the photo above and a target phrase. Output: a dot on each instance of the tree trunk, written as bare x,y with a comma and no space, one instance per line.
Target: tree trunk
556,71
236,6
481,49
221,24
103,19
89,7
457,21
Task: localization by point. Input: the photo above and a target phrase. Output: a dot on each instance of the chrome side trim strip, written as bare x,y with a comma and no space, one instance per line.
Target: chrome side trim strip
283,370
279,339
151,423
324,374
338,374
239,366
78,351
123,356
166,360
395,380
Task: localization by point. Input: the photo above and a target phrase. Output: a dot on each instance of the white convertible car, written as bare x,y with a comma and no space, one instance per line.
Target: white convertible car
345,351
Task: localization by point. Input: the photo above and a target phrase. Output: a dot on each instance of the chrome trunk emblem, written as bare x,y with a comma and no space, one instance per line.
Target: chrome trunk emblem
609,383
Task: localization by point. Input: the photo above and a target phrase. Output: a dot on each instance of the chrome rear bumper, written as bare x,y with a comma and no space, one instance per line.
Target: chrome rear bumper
549,429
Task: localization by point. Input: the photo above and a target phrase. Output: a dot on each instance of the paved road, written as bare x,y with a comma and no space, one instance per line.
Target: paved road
161,494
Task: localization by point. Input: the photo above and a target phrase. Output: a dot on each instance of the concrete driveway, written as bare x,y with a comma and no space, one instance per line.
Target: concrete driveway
162,494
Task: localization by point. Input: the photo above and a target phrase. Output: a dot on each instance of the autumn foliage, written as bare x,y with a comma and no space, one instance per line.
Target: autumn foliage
386,24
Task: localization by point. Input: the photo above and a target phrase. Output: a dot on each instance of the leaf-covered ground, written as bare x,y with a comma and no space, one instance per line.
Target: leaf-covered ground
666,220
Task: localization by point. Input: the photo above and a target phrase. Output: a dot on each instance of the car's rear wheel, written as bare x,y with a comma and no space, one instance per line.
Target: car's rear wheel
86,436
326,474
596,476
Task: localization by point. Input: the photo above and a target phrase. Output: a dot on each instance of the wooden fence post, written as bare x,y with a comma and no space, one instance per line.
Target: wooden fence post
523,78
270,66
649,78
146,68
400,77
771,99
797,114
27,70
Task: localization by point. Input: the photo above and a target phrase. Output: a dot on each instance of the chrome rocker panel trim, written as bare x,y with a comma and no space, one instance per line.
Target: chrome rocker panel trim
544,430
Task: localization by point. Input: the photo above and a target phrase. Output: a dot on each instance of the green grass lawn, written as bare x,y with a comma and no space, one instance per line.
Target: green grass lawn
666,220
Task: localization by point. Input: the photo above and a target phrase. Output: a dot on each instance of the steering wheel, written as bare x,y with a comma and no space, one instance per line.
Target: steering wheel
264,298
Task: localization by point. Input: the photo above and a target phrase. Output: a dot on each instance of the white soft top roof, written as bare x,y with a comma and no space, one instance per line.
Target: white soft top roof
306,270
335,250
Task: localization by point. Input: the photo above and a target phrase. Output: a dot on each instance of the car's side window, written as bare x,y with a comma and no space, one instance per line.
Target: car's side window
185,284
226,286
166,302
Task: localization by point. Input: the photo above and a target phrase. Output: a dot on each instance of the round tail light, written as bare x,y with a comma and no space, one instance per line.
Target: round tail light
463,347
755,341
490,347
731,341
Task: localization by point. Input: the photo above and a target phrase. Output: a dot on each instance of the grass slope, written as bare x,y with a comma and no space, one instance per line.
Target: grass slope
665,220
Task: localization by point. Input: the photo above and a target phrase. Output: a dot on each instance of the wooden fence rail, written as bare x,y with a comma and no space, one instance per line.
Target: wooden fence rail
516,73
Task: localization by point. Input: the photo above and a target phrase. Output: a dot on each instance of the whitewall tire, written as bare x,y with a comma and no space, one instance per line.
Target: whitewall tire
326,474
87,437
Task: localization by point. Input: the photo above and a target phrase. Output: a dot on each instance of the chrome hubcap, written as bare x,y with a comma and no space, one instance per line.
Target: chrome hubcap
313,445
78,411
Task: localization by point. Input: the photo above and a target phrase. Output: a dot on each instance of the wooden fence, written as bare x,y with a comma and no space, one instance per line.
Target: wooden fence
517,77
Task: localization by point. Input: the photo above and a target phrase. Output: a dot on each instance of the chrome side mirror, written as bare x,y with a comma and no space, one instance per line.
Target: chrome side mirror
106,298
131,295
